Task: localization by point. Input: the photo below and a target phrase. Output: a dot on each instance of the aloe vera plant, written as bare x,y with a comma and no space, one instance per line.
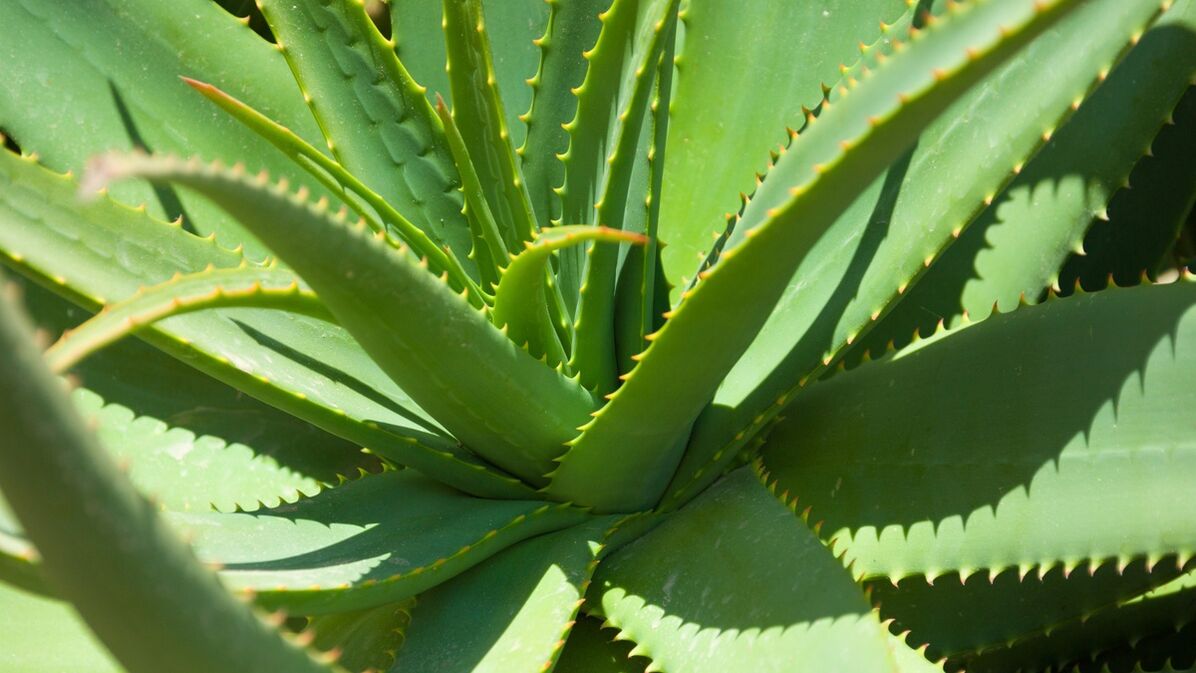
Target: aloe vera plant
598,336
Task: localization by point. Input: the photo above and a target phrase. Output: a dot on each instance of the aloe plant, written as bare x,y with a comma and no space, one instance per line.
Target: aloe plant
597,336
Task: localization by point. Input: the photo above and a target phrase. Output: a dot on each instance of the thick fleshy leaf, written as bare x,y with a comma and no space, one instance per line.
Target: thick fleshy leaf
379,539
489,248
603,131
958,620
156,606
375,118
188,441
512,27
115,67
445,353
1162,612
711,160
572,29
592,649
734,581
19,561
378,213
41,634
641,294
594,354
979,449
1145,221
905,219
1017,246
255,287
366,639
100,252
521,300
531,592
479,113
641,432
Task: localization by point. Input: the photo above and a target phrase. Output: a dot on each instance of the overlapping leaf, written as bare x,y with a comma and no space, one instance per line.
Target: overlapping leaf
99,252
485,389
1081,453
877,248
624,458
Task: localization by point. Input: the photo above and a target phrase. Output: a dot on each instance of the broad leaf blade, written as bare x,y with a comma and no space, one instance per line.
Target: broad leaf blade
100,252
724,124
531,592
641,430
1148,621
881,244
950,473
746,586
41,634
445,353
366,639
958,619
1144,222
156,603
189,441
375,118
1017,246
592,649
115,67
380,539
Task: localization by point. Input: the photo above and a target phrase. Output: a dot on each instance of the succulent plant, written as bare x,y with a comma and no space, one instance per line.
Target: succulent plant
598,335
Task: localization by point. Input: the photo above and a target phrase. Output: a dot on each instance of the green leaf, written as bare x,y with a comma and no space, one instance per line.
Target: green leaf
641,294
513,27
625,52
1145,221
258,287
952,473
1019,243
156,605
747,586
909,660
40,634
446,354
180,470
418,33
959,619
489,249
367,639
479,113
101,252
375,118
572,29
625,457
593,340
903,221
590,649
521,302
723,124
115,70
376,540
531,595
19,561
1158,612
200,442
337,179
